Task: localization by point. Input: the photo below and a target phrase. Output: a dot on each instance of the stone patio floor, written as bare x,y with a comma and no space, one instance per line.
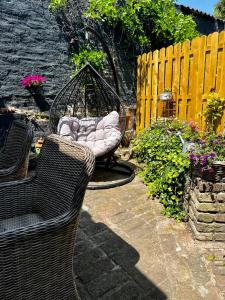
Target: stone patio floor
127,250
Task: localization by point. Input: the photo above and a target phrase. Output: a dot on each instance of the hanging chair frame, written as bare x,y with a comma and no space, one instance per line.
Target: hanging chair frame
108,160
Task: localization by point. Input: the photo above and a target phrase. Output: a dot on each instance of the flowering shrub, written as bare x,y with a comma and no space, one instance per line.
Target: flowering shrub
32,81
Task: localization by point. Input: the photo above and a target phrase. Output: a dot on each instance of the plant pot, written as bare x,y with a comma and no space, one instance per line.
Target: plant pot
165,96
38,94
216,173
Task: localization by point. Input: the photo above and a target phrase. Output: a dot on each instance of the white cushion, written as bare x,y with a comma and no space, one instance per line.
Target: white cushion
100,134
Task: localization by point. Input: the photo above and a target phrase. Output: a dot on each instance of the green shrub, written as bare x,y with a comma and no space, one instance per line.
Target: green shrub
165,165
95,57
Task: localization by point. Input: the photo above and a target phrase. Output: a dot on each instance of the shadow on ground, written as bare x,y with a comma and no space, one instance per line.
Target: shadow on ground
105,266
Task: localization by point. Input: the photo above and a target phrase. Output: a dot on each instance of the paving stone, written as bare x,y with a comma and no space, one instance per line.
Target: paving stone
108,281
82,261
121,217
95,269
83,246
127,258
129,291
91,229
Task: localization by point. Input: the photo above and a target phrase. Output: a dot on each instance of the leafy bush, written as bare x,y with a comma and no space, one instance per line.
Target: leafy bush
165,165
95,57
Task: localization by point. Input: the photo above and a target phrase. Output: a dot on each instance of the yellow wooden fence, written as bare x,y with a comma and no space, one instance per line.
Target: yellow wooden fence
190,70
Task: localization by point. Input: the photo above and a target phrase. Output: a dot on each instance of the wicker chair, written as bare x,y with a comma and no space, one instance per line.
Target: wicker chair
38,222
14,156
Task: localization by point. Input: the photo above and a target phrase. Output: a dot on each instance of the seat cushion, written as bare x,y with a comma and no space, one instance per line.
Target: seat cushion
68,127
99,134
19,222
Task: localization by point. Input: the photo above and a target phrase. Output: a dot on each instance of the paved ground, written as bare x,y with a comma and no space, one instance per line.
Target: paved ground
127,250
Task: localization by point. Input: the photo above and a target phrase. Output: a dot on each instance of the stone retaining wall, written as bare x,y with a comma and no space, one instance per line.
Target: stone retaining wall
206,207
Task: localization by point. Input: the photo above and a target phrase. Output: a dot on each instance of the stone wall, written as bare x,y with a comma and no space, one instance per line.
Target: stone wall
30,43
207,210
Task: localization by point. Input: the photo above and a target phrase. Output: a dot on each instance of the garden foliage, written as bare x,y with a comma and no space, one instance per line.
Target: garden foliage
165,166
95,57
144,21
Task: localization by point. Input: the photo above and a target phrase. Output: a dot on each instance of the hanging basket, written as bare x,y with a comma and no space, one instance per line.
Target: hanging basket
216,173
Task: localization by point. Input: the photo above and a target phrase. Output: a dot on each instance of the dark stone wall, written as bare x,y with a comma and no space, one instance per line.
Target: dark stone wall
30,43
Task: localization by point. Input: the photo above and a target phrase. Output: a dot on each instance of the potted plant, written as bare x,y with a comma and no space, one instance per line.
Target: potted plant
208,158
166,95
34,84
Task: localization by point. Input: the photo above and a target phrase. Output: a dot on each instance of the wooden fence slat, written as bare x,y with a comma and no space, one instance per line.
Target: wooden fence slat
169,77
138,93
184,80
161,79
176,79
221,76
193,74
148,91
200,81
155,84
143,89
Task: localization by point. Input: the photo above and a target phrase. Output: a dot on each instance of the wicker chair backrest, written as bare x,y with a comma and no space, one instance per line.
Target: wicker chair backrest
17,141
63,168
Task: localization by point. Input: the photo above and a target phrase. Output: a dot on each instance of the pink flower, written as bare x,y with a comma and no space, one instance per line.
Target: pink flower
32,81
193,126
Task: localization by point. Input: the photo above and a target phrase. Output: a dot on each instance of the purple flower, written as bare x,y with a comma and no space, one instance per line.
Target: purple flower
215,142
203,162
191,156
212,155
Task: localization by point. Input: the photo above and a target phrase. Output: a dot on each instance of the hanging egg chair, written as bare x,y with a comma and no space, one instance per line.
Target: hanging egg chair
87,110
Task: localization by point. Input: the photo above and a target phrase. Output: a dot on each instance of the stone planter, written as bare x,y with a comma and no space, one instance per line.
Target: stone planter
206,210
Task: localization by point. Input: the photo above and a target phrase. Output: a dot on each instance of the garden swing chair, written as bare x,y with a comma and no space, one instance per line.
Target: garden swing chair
88,111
